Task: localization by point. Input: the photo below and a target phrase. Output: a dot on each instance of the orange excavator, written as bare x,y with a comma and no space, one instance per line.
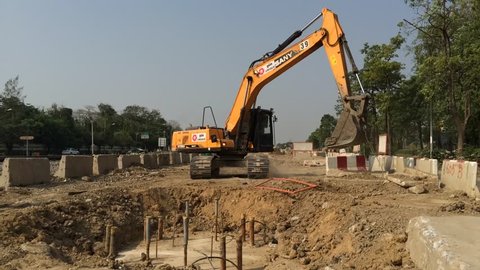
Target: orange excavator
248,130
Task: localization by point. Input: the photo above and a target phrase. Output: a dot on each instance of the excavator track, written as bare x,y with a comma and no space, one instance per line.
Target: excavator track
203,167
257,166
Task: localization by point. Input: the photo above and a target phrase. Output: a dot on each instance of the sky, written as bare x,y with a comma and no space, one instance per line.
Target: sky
180,56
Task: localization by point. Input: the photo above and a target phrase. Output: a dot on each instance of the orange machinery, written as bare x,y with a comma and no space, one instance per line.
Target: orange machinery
248,128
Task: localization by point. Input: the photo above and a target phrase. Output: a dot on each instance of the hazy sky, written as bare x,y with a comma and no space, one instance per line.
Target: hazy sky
179,56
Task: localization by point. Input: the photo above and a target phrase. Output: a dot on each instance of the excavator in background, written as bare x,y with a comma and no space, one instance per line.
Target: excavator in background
248,130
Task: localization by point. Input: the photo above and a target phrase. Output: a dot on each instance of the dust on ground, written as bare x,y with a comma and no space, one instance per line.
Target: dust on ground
349,221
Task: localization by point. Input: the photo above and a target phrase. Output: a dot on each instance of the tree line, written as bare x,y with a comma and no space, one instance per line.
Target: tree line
440,95
57,127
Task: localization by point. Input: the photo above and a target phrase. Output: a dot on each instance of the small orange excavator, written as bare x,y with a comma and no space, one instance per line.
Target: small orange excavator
248,130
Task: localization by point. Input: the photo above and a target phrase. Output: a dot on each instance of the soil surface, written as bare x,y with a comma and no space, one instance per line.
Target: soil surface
347,221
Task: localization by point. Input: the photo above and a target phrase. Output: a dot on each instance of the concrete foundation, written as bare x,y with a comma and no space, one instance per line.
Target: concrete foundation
103,164
125,161
25,172
446,243
75,166
149,161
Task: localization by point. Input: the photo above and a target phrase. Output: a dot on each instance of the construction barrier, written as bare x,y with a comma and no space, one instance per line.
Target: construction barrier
460,175
446,243
125,161
399,164
163,159
149,161
175,158
25,171
347,163
428,166
103,164
380,163
75,166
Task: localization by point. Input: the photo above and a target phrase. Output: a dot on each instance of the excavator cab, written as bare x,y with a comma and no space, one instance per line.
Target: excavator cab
350,125
261,131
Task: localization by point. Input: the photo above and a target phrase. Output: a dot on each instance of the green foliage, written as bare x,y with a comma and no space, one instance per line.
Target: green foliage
327,125
58,127
447,57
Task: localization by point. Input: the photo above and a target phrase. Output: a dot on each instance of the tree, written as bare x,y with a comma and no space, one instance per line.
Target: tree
327,125
382,78
447,57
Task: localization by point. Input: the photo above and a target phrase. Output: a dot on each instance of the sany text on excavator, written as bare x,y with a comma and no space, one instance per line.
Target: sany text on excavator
248,128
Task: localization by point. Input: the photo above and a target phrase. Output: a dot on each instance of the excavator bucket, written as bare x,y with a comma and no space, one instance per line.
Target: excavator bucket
350,128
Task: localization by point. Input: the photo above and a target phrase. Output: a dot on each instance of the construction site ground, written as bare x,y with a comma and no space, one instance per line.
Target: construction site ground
349,221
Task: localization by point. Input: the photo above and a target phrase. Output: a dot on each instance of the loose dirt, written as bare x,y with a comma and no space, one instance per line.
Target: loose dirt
349,221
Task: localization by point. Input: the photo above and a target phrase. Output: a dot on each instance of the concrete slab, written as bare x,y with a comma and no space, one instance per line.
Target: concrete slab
444,242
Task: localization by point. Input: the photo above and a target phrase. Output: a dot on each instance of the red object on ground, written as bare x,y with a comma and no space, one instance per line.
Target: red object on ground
307,184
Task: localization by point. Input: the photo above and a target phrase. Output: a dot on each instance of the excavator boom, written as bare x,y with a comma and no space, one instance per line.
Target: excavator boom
350,127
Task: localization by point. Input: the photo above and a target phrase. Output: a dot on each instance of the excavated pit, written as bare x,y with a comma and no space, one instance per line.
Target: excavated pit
350,221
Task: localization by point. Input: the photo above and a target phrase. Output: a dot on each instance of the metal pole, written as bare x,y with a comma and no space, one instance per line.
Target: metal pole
91,125
27,148
223,253
112,251
216,218
243,227
185,241
252,232
239,252
148,234
431,129
107,238
187,211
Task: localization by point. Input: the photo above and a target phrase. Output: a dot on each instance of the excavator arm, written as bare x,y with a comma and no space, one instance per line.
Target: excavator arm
350,126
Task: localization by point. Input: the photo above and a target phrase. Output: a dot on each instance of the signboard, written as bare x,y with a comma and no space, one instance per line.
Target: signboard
144,136
26,138
162,142
382,144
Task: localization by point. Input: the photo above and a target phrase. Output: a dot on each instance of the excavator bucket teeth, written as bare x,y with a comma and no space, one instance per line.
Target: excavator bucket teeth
348,131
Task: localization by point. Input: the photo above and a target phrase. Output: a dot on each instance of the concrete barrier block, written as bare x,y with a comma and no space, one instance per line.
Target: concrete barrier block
410,162
446,243
103,164
185,158
125,161
399,164
346,163
380,163
75,166
163,159
149,161
25,172
428,166
175,158
460,175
